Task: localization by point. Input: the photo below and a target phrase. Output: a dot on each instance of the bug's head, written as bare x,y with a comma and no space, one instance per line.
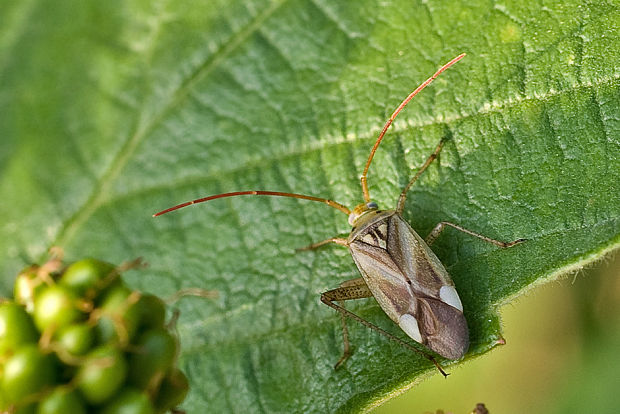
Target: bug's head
360,210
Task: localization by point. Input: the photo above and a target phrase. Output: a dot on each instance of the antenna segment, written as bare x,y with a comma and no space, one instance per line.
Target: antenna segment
330,203
394,114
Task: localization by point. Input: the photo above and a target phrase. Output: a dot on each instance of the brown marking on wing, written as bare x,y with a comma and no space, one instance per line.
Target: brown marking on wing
415,259
383,278
443,328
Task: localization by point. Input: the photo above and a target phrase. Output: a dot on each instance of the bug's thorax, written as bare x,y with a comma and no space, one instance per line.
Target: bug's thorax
365,216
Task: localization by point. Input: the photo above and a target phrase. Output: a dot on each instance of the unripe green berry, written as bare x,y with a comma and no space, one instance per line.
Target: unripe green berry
87,277
16,328
119,316
102,374
26,373
153,357
172,391
129,401
75,339
56,307
27,286
152,312
62,401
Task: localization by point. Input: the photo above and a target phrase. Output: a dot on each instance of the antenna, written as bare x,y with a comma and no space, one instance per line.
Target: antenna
394,114
330,203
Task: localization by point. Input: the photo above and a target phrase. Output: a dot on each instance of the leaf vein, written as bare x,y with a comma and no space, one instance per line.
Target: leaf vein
102,188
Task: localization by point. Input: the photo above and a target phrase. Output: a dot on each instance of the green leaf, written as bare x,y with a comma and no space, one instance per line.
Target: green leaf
114,110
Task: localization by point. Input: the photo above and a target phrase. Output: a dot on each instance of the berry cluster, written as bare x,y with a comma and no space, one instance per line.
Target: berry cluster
76,339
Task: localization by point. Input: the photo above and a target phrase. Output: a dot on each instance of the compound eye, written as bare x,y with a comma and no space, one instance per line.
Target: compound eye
372,205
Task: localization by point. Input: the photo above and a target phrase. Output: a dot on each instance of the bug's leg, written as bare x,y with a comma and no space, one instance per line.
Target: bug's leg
357,289
432,236
348,290
338,240
400,206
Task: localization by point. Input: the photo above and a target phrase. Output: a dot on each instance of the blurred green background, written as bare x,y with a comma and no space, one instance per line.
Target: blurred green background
561,354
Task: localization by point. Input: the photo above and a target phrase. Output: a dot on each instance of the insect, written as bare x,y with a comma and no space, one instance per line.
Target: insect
398,267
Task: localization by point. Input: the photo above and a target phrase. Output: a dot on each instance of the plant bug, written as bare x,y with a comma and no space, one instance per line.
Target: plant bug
398,267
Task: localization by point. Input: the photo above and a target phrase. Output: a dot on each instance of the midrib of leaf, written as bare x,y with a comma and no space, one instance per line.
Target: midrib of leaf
143,128
487,109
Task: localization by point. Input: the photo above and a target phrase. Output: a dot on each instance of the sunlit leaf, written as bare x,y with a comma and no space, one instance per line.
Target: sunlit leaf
114,110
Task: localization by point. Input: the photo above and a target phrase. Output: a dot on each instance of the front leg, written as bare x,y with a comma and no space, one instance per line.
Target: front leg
338,240
348,290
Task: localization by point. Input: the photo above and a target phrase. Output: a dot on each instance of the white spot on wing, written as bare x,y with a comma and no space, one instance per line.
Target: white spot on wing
382,244
381,233
409,324
368,239
382,230
448,295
